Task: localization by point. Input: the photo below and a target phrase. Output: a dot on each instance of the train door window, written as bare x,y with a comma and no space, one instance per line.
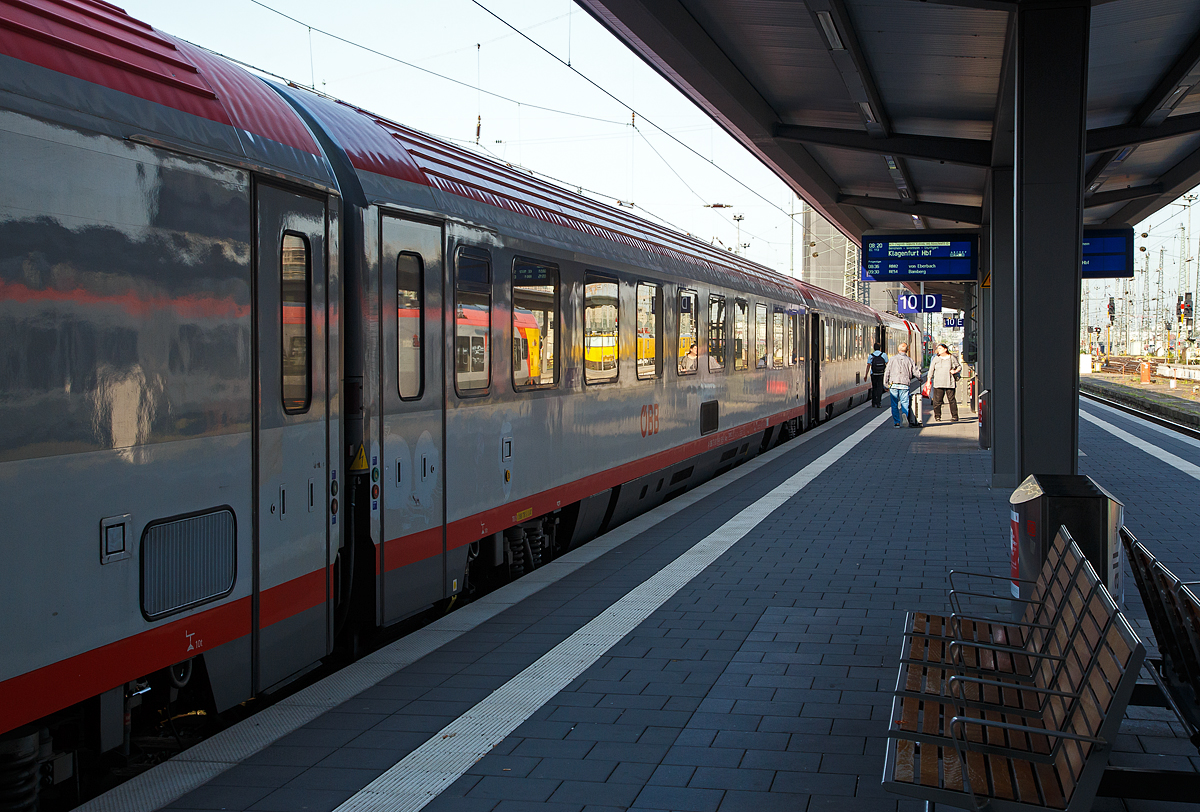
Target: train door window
410,326
600,346
295,302
827,327
778,347
785,339
797,342
716,333
760,336
535,324
741,334
688,333
649,330
472,321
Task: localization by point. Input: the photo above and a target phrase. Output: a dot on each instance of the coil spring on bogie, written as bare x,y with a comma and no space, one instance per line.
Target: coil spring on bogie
19,774
514,544
535,543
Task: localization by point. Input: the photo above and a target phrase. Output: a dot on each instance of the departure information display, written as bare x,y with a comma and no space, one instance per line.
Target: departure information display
921,256
1108,253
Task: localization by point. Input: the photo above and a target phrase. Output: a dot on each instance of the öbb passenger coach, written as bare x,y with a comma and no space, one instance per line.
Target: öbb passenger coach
275,371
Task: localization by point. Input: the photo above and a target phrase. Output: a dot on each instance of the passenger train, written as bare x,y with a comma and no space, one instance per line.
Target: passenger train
257,396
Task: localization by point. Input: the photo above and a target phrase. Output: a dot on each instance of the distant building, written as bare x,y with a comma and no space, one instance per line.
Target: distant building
826,264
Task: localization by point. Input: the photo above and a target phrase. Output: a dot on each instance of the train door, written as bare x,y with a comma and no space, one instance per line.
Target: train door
292,529
412,558
815,353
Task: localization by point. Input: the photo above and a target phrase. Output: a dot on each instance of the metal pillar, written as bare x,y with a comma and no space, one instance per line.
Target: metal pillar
1003,323
1051,76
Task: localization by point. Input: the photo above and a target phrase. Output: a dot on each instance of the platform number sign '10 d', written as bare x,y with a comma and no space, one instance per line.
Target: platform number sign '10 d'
921,256
919,303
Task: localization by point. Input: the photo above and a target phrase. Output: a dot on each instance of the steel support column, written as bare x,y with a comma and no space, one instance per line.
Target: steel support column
1051,82
1002,324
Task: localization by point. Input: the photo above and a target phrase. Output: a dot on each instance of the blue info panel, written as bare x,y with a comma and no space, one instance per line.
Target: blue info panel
1108,253
920,256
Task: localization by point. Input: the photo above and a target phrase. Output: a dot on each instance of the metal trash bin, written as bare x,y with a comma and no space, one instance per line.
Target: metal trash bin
1091,515
985,425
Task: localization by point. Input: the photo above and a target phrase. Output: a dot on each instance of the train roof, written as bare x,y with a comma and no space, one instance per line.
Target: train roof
376,146
89,58
893,321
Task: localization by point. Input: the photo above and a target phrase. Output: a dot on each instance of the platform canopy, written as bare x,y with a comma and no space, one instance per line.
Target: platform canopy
887,114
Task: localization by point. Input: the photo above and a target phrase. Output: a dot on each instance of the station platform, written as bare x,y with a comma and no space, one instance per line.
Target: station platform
735,649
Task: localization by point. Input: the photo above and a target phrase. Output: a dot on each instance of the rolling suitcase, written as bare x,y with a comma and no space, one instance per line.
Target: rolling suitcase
914,408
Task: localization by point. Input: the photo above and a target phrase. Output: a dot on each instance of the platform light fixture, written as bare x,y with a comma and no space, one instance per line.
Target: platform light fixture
831,32
868,112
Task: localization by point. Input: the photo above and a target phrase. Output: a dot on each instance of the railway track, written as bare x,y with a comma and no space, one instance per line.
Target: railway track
1182,428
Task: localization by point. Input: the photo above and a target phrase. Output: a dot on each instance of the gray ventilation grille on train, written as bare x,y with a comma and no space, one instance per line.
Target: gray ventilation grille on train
187,561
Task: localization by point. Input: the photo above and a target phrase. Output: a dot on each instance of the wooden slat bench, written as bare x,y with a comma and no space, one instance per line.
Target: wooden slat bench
1174,612
936,644
1037,743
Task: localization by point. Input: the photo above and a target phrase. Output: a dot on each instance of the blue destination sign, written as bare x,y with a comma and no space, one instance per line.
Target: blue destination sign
921,256
1108,253
919,303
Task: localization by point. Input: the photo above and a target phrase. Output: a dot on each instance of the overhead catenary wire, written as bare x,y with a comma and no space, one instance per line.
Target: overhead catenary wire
459,82
628,107
481,91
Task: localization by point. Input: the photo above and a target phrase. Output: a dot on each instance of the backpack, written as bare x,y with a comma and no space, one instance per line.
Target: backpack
878,364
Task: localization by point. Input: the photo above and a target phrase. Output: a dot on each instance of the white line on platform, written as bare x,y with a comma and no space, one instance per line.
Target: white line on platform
1191,469
422,775
190,769
1174,435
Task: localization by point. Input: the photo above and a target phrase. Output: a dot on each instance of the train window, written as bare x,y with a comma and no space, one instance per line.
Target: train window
760,336
741,334
716,333
295,311
789,339
649,329
535,323
599,329
410,326
472,321
689,348
797,342
779,341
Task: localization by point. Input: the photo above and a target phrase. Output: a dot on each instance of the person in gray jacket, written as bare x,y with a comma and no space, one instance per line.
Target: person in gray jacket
898,376
943,375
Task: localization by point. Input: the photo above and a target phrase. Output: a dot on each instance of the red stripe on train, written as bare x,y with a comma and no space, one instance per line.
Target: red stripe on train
28,697
37,693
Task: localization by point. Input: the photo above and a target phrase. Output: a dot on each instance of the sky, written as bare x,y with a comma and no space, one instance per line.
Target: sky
562,105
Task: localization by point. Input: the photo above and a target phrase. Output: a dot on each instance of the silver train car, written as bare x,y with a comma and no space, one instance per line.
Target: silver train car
276,372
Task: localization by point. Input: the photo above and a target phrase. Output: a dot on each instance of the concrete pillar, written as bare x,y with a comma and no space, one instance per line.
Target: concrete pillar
1002,363
1051,99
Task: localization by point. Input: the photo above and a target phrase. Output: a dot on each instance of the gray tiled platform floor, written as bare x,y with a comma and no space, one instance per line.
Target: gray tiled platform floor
763,684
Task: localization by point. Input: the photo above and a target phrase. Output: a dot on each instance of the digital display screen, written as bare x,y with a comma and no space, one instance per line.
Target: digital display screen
1108,253
920,256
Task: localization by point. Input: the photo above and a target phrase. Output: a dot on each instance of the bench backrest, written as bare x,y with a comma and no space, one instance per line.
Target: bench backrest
1062,594
1173,612
1054,563
1187,663
1104,687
